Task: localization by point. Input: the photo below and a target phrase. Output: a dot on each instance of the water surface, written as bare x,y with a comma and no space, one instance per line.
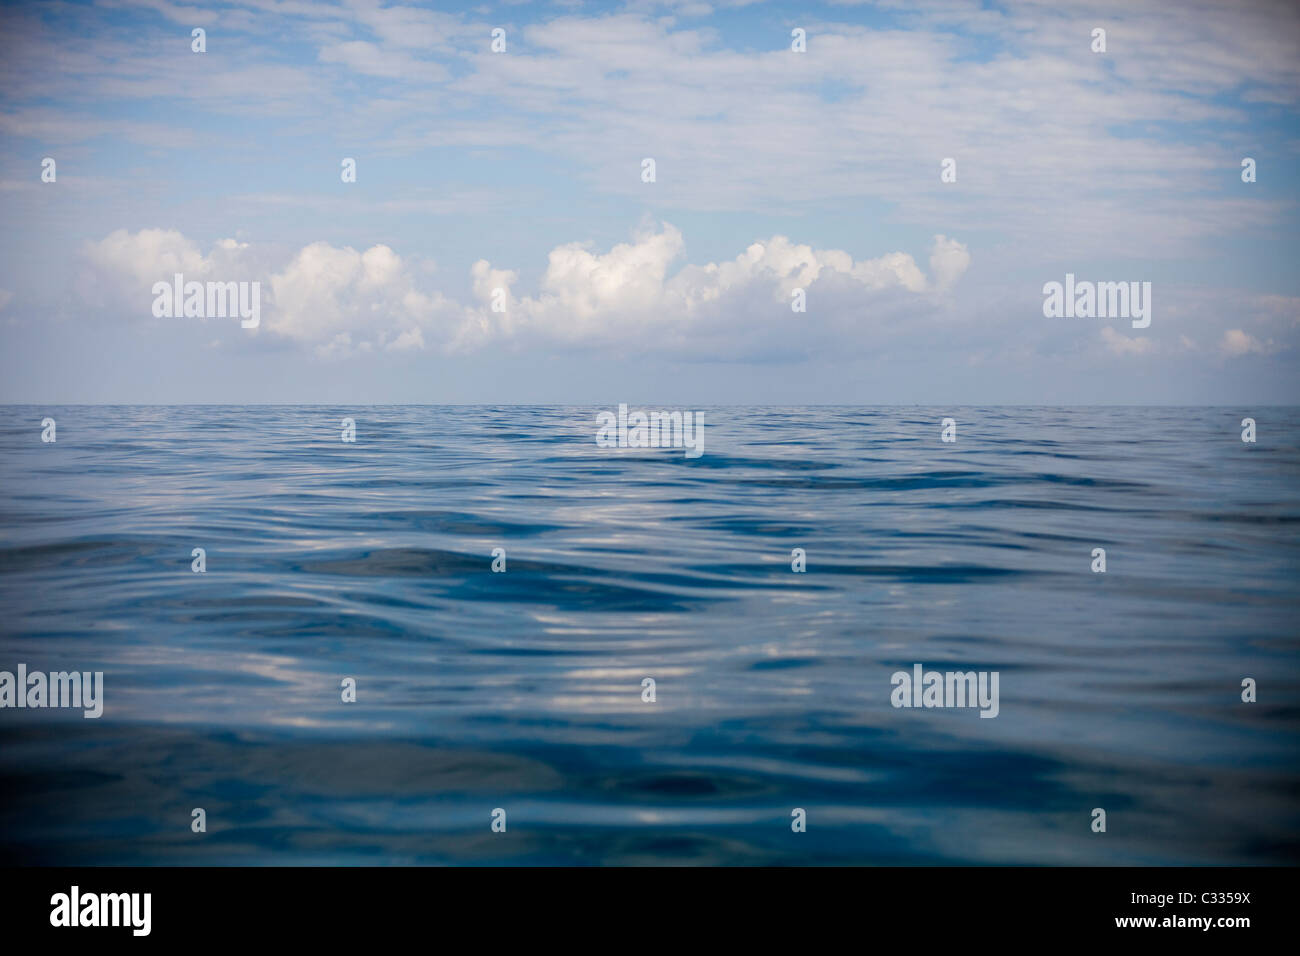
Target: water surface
523,690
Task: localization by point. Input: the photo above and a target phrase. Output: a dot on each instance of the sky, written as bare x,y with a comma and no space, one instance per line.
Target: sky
501,242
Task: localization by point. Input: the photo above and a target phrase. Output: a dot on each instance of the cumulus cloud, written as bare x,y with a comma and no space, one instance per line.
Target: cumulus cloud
949,260
1124,345
631,293
339,300
143,257
123,266
1237,342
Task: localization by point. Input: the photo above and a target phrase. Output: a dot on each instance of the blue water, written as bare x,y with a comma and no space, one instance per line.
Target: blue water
522,690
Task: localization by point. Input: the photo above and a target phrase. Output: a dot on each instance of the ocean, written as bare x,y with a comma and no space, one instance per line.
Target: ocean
503,716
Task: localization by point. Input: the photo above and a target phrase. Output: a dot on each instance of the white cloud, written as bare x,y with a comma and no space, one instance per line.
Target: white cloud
371,60
948,261
143,258
630,294
1124,345
866,114
338,300
1237,342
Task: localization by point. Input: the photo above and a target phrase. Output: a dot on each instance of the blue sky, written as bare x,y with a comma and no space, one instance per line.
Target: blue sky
775,170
